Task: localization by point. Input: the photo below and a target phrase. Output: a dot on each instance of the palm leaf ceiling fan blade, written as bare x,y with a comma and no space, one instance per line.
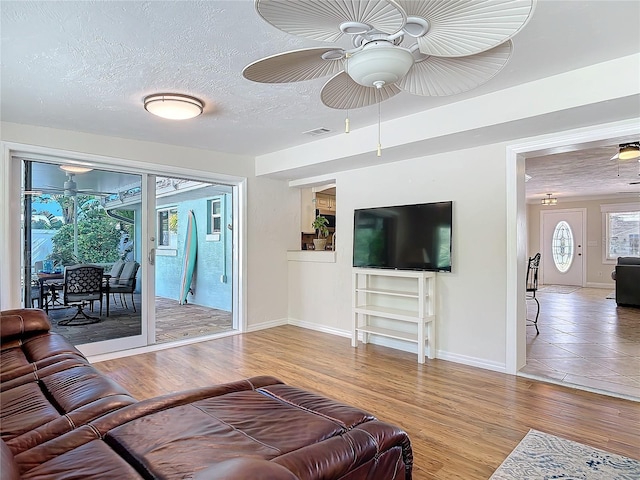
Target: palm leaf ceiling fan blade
343,93
438,76
295,66
321,19
462,28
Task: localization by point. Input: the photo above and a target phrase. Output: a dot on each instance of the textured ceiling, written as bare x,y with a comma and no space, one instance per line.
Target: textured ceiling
86,66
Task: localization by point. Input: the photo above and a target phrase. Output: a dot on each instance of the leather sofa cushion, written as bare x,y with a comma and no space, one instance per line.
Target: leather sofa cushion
244,468
266,423
37,411
21,323
92,461
34,353
8,467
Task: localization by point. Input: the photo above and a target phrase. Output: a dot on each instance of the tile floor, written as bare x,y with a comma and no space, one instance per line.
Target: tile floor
586,340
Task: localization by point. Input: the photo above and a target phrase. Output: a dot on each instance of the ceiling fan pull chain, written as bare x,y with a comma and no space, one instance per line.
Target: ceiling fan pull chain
346,70
379,144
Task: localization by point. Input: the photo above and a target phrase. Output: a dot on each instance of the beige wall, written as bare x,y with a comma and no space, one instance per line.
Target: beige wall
598,272
272,209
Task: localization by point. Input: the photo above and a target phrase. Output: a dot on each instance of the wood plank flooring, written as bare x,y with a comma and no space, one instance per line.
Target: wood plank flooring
462,421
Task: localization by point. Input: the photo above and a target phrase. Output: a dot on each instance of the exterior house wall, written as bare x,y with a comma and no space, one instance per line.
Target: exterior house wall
213,260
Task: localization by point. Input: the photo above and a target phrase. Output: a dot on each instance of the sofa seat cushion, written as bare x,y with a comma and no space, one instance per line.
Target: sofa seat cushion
92,461
38,411
267,423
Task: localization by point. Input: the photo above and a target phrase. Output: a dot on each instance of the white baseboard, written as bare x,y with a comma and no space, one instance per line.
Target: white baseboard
320,328
264,325
472,361
601,285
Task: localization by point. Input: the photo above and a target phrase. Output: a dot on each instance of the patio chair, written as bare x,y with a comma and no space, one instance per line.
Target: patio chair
126,283
532,286
82,286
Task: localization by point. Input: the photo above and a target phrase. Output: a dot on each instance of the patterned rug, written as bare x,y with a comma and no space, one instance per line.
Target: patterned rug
540,456
558,288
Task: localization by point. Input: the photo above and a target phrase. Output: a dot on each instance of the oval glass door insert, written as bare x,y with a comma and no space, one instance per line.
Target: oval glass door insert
562,246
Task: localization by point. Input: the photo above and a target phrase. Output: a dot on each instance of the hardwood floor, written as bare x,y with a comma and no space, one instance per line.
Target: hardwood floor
462,421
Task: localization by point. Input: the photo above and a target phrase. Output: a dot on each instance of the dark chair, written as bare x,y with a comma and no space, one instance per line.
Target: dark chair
125,283
82,286
532,286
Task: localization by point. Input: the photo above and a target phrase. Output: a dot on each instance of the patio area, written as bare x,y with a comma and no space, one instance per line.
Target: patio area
173,322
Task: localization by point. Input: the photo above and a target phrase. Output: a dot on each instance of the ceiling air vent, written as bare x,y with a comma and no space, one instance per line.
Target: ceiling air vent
317,131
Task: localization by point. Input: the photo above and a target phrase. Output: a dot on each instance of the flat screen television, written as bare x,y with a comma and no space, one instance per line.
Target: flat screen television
404,237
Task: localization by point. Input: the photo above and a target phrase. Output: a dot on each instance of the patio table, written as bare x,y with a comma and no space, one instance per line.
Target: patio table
44,277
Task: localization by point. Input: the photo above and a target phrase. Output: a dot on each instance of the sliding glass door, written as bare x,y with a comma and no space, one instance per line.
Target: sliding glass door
77,215
193,259
167,246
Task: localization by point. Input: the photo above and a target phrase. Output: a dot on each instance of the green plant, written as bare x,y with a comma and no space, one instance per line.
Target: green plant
320,225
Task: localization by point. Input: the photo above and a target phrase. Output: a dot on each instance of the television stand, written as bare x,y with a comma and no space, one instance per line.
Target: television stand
397,304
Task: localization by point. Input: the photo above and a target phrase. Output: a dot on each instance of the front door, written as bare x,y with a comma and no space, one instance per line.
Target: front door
562,242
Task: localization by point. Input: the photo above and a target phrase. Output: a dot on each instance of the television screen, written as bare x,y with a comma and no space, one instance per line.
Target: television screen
404,237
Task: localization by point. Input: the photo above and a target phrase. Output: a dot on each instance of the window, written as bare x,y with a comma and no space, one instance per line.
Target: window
215,208
562,246
168,228
621,227
216,216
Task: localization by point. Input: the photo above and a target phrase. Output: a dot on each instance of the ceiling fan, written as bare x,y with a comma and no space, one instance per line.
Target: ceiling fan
68,189
423,47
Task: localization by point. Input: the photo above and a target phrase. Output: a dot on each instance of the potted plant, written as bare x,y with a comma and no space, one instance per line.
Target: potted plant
320,226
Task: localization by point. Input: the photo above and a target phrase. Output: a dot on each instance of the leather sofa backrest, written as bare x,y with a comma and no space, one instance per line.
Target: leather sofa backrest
21,323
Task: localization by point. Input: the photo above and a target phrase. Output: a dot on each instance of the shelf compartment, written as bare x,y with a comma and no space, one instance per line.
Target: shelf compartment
387,332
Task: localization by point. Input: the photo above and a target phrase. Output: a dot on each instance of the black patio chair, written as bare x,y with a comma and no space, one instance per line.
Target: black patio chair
82,286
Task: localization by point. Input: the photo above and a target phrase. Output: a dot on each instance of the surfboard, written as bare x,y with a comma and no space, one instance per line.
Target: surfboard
190,251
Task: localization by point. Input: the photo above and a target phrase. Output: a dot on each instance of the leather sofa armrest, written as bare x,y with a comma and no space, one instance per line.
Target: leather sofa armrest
242,468
22,323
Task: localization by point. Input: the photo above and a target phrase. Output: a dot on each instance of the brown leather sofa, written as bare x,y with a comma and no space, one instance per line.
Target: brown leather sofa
62,419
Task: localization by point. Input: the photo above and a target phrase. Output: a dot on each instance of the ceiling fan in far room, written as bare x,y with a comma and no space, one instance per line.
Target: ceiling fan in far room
68,189
423,47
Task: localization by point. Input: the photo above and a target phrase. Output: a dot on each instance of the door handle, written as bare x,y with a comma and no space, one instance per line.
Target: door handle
152,256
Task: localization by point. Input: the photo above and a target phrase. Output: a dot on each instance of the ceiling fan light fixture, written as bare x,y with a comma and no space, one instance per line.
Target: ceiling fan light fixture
75,169
549,200
379,63
173,106
629,151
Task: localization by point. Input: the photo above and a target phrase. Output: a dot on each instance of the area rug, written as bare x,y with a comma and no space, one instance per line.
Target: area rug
540,456
612,295
558,288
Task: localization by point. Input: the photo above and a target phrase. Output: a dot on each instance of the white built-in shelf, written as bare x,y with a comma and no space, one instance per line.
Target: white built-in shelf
395,304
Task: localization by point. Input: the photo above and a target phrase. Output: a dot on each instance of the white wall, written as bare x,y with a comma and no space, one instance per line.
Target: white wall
272,208
472,298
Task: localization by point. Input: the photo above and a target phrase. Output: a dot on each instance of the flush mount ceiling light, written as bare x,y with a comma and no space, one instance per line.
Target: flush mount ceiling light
629,151
549,200
173,106
75,169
